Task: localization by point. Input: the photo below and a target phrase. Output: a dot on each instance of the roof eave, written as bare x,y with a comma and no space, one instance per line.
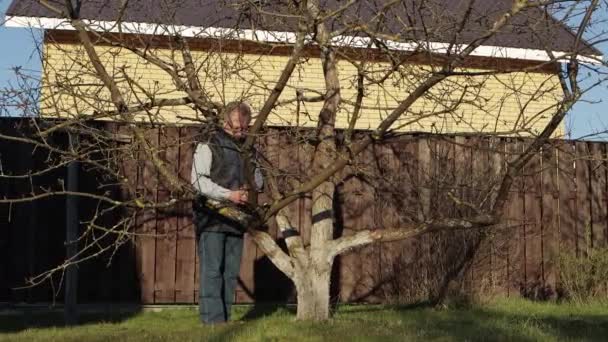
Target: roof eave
289,38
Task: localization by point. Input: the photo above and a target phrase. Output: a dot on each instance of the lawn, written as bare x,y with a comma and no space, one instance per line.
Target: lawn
517,320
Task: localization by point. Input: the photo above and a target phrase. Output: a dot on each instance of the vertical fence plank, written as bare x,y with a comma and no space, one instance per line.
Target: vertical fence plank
412,252
463,167
388,215
166,240
566,177
164,280
534,280
550,218
500,237
516,210
604,204
146,240
185,265
598,195
583,195
408,169
483,276
512,237
445,252
423,182
369,260
359,271
599,211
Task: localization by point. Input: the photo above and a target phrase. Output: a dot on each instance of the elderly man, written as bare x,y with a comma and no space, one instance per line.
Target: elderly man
218,172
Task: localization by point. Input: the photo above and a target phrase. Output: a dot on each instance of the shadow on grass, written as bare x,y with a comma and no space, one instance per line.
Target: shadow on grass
266,309
345,308
35,319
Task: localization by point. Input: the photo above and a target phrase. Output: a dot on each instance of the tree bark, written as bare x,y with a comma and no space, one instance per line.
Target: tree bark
312,286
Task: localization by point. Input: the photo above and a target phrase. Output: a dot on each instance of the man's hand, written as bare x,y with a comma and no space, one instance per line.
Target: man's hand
238,196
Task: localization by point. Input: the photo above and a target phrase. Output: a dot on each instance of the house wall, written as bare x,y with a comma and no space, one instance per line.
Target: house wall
517,102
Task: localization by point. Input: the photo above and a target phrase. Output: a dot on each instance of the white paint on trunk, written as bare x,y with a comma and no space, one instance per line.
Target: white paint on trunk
313,294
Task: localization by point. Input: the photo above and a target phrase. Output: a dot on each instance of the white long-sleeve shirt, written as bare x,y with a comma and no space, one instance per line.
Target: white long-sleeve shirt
201,171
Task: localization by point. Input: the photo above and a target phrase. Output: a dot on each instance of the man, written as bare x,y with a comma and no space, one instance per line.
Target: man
218,172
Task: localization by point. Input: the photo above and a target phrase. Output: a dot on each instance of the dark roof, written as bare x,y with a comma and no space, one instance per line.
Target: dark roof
432,20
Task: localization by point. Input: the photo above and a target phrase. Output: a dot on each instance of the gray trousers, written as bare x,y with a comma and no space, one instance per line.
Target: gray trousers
219,263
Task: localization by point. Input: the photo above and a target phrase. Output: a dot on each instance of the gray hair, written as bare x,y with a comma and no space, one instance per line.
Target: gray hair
240,106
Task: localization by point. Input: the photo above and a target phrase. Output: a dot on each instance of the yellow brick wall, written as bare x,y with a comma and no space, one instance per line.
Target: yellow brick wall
519,101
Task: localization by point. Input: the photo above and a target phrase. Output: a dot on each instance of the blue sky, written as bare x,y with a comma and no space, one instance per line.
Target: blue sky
585,118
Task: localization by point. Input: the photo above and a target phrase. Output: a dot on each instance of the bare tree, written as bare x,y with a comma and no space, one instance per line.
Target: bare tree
413,65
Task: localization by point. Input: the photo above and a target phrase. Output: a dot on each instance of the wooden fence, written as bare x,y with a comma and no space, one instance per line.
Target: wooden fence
558,206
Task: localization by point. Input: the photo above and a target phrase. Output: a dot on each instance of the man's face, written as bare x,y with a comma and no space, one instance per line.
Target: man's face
236,125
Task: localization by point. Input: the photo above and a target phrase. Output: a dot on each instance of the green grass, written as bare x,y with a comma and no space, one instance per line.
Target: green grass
517,320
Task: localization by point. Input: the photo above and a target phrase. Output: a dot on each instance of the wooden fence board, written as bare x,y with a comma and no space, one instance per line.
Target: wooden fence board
360,271
444,257
583,195
604,204
567,198
166,244
516,208
550,219
189,142
425,168
388,216
532,234
166,239
482,273
463,160
146,250
498,239
566,178
146,241
185,264
598,184
510,236
396,202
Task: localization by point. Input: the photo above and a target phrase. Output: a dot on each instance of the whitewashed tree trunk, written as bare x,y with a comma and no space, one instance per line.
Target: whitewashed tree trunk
313,288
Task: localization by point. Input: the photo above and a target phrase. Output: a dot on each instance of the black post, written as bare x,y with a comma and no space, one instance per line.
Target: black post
71,276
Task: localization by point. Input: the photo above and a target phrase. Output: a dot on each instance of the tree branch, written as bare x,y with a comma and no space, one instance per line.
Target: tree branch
365,237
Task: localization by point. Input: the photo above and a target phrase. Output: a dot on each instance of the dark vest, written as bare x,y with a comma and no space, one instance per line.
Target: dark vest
228,171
